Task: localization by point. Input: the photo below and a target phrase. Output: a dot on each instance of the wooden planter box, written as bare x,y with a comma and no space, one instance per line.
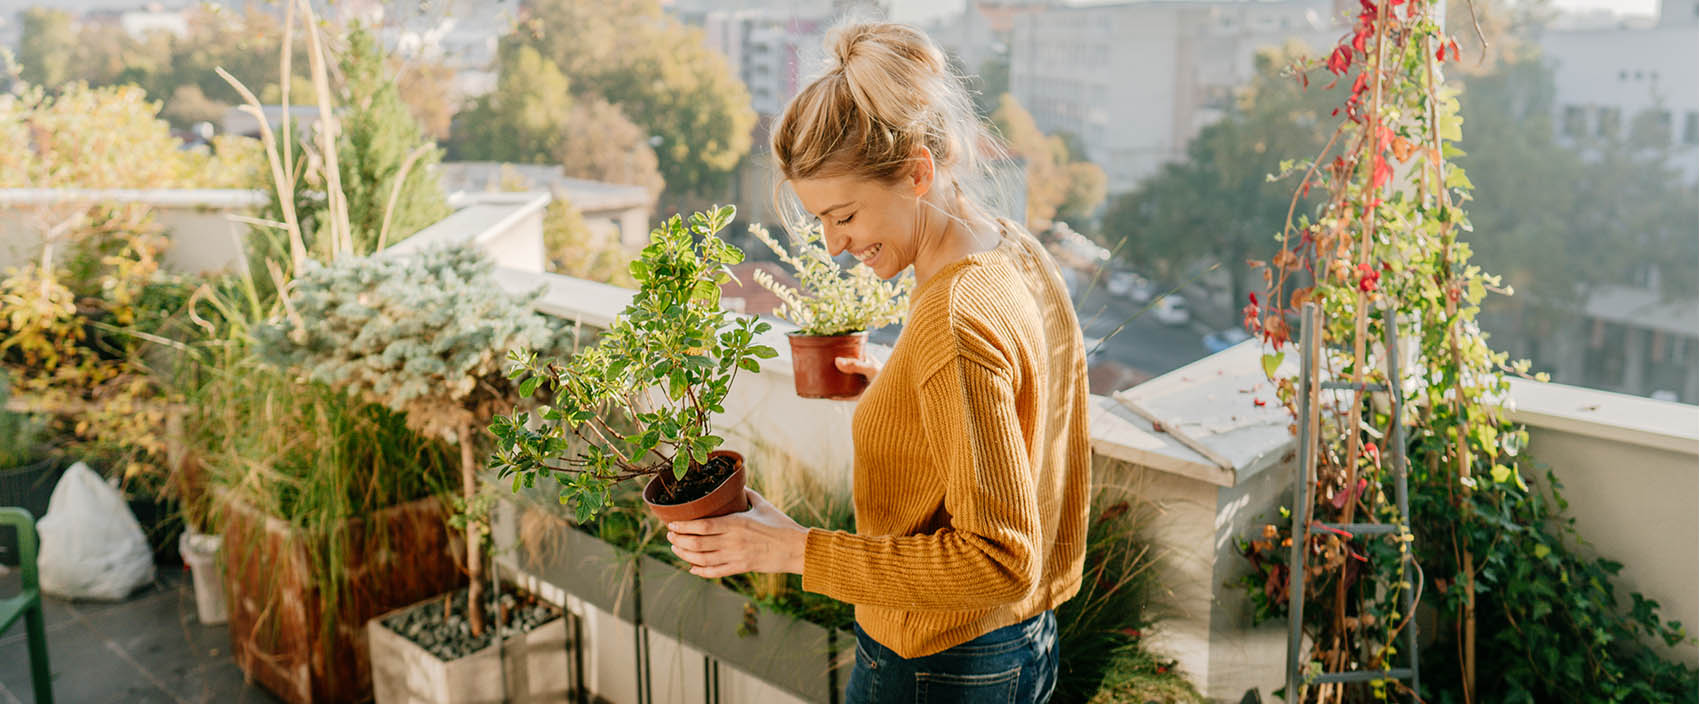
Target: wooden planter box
798,656
532,668
396,556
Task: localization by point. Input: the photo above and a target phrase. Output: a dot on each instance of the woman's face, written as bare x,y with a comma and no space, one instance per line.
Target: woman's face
875,221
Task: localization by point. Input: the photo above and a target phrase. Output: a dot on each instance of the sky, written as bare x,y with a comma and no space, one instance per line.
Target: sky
917,11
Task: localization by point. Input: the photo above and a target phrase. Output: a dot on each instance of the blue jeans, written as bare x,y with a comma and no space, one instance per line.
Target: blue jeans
1012,665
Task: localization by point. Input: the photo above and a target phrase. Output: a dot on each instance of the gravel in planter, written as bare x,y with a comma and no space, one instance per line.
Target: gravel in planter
452,639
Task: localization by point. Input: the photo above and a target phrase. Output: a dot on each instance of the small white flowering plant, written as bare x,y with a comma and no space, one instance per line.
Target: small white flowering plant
831,301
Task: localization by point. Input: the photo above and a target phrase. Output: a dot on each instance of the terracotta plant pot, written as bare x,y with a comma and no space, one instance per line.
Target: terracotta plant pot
725,499
815,370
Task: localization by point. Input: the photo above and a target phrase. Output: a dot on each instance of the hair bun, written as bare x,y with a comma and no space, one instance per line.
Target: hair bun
891,39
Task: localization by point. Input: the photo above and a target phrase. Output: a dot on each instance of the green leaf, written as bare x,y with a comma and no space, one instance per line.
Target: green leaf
764,352
1271,362
723,216
1455,178
681,465
527,387
750,365
1541,551
1501,473
706,292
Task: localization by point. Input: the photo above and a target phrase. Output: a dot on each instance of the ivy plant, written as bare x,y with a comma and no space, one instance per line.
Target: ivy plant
831,301
662,369
1518,599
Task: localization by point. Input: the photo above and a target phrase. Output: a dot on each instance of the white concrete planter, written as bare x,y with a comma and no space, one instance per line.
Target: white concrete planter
532,668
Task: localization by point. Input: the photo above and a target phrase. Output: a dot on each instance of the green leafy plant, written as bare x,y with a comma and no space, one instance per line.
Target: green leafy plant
422,335
831,302
665,365
1118,590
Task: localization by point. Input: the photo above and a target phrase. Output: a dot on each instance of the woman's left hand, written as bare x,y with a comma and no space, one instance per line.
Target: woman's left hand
762,539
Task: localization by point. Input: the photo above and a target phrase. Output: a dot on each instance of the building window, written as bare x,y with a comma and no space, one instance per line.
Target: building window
1610,122
1652,129
1575,121
1691,129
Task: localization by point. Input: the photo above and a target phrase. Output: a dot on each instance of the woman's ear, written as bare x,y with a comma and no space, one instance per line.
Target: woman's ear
921,171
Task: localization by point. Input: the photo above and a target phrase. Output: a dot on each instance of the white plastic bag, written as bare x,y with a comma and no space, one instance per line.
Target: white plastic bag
91,545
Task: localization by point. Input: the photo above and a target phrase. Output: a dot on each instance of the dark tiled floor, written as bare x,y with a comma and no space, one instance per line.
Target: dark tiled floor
148,648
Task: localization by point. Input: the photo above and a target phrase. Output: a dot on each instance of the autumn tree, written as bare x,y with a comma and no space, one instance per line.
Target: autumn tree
1056,186
661,75
48,46
523,120
533,117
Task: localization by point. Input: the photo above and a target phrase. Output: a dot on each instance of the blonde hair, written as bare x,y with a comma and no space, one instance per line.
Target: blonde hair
887,91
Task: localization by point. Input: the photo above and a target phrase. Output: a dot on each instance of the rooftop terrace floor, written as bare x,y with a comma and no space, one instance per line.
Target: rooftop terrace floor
149,648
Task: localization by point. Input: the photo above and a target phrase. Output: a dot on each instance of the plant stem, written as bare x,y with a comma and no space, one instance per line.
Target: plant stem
474,541
1462,450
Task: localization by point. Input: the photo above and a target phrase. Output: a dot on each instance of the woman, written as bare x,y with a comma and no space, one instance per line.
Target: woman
971,449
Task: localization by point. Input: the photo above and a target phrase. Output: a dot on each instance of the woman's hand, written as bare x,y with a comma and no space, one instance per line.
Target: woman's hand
762,539
865,365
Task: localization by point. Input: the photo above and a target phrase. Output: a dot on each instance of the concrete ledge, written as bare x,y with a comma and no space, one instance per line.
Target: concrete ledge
1664,425
162,197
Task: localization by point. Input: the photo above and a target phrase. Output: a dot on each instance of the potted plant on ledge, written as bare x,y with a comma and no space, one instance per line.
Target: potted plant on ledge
834,311
665,365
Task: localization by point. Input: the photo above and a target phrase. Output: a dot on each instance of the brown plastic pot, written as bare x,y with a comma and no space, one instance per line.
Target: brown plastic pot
726,499
814,366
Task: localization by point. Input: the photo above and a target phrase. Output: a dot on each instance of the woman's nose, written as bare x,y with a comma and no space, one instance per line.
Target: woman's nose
836,242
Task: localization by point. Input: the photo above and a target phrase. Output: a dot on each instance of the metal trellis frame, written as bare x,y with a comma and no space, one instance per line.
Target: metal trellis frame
1309,396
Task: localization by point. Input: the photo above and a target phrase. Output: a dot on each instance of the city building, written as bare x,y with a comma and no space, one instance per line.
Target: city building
1631,80
981,33
774,47
614,212
1135,81
1628,82
773,52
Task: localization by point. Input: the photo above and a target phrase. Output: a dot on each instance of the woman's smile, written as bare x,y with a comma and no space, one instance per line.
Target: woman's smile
868,255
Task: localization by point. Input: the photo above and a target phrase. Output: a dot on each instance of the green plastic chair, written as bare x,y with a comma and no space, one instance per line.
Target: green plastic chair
28,603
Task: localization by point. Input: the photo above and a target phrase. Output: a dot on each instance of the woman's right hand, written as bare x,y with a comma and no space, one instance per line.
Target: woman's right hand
865,365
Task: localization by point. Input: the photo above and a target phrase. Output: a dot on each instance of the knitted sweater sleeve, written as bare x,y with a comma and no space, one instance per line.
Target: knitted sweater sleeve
987,555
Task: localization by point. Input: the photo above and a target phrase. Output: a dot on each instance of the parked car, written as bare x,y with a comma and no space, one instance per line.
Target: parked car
1172,310
1127,284
1223,339
1142,291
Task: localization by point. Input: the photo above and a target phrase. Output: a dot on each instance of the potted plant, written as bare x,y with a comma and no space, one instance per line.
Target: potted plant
666,364
423,335
834,311
28,472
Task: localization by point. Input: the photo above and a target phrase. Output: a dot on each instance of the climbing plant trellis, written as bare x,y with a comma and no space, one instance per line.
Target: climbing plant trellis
1381,249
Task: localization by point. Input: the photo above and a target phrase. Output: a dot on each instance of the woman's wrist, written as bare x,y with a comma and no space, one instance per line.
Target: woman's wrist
799,549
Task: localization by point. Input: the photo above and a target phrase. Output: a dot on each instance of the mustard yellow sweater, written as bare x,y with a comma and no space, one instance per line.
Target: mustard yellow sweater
972,460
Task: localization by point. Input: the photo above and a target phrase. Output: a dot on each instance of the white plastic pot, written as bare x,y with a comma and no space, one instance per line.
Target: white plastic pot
200,553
